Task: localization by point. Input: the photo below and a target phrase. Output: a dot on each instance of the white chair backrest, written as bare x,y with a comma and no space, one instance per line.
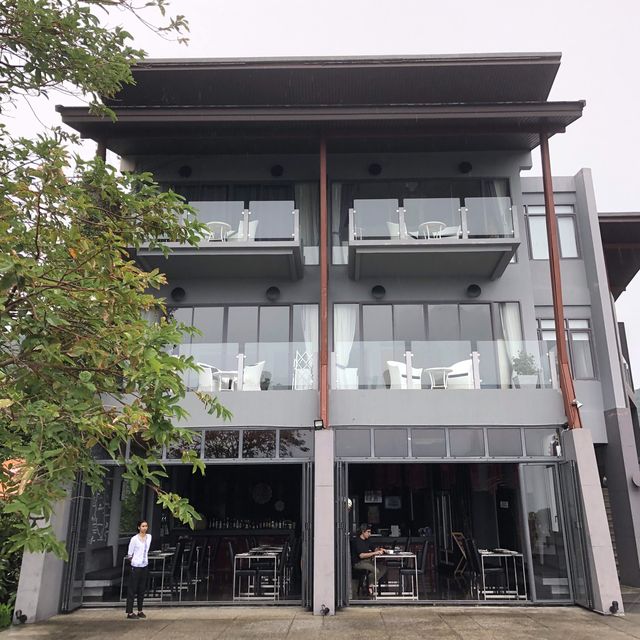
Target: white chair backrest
205,379
347,378
394,230
252,375
461,375
302,370
398,375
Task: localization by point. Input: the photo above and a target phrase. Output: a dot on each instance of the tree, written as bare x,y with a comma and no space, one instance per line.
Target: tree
85,347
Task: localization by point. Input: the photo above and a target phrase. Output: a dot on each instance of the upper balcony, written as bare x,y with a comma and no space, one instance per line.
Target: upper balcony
262,240
432,237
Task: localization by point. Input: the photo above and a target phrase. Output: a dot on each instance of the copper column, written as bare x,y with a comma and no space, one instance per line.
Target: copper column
566,381
324,275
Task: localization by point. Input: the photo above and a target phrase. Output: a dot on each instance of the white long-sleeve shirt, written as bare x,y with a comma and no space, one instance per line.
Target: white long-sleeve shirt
139,550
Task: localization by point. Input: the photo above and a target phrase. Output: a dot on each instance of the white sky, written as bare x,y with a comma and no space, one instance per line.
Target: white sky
598,41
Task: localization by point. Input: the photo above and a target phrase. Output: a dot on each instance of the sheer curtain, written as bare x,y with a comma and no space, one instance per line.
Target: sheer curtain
344,331
511,343
310,333
307,198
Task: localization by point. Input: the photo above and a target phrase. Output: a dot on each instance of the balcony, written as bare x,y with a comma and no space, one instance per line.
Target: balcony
261,241
444,365
442,383
432,237
256,366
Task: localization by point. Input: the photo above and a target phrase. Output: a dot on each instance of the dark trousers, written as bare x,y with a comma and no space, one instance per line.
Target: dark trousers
137,586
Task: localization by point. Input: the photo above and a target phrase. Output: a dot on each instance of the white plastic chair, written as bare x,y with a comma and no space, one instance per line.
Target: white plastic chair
251,376
240,235
461,375
206,382
302,371
398,375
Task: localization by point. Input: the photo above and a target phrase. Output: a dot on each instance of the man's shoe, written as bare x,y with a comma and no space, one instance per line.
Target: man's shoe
141,615
132,616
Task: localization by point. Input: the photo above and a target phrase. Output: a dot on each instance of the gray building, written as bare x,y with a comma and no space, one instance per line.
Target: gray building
409,334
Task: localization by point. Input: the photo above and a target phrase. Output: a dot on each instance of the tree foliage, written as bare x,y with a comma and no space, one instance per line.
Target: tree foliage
85,346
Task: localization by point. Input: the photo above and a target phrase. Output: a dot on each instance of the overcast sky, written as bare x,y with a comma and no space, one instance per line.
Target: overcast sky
598,41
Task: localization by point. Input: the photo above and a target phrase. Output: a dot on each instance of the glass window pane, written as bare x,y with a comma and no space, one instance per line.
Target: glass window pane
377,323
296,443
475,322
428,443
581,354
466,442
353,443
541,442
258,444
305,325
567,233
578,324
538,237
242,324
548,324
390,443
221,444
274,324
545,532
443,322
504,442
174,451
408,322
183,315
209,320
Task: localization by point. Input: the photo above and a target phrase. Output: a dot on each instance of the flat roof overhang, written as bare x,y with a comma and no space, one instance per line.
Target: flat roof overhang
460,78
485,258
281,260
620,234
426,127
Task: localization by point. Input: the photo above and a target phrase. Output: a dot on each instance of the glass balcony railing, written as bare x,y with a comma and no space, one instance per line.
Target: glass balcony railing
431,219
496,364
263,221
251,366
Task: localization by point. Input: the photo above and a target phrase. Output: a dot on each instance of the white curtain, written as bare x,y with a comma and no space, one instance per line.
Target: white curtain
511,343
307,197
344,331
310,332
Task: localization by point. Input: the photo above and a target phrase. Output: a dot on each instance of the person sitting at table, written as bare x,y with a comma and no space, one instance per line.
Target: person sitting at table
362,553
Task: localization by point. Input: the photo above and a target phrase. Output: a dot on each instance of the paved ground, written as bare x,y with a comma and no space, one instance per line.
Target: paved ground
363,623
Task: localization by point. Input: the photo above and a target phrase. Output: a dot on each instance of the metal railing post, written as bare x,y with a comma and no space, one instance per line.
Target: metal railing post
464,223
408,362
240,385
402,228
475,369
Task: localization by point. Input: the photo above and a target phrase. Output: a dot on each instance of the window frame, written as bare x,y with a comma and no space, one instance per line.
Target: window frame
536,214
567,332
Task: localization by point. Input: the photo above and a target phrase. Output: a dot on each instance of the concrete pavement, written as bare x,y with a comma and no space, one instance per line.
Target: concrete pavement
367,623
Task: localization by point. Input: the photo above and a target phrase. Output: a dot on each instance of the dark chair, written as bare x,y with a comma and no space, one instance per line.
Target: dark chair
169,575
490,580
422,556
250,573
266,573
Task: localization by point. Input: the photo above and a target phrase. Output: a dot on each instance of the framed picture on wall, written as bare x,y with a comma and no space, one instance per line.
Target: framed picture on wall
393,502
373,496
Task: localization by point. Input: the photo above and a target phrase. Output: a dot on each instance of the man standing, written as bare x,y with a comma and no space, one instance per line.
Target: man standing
362,552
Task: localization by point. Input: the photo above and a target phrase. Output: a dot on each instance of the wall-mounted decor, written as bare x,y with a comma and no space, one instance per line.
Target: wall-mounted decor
373,496
393,502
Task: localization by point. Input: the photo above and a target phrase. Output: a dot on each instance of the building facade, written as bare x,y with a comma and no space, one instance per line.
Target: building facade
378,306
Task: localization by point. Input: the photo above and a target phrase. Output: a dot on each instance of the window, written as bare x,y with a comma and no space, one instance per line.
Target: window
566,232
580,344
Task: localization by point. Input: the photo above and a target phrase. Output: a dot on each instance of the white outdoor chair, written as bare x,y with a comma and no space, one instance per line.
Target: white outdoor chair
398,375
302,371
461,375
346,377
206,382
240,235
218,231
394,231
251,377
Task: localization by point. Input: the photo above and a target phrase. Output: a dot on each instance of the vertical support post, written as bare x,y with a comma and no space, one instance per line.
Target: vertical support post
101,150
464,223
402,225
566,381
475,369
408,363
324,276
240,384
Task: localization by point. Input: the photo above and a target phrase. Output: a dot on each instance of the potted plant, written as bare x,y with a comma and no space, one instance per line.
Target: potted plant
525,370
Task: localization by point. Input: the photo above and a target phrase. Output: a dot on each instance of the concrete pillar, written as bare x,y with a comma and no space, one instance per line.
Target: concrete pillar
578,446
623,480
41,575
324,590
